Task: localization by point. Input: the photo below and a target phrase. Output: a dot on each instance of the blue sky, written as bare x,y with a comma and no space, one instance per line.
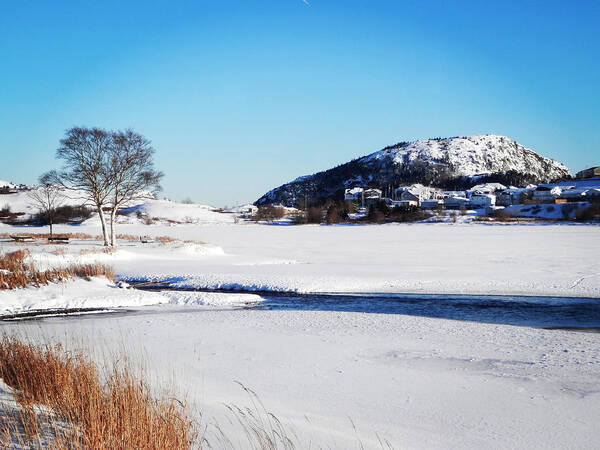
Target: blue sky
241,96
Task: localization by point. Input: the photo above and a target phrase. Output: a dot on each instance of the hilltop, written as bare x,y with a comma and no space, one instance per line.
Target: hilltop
451,163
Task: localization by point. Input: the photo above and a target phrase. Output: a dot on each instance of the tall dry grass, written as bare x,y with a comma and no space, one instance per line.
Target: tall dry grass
17,271
65,401
84,412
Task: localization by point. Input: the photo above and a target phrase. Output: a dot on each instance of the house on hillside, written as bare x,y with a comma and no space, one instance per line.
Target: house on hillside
480,201
417,190
592,172
371,197
372,193
448,194
512,196
455,202
580,195
432,203
353,194
546,193
486,188
410,197
405,204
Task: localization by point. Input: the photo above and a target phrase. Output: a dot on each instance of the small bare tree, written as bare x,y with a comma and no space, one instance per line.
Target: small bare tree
84,152
47,198
131,172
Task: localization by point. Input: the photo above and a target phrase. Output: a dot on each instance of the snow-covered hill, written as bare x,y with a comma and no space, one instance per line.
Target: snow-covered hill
6,184
450,162
146,211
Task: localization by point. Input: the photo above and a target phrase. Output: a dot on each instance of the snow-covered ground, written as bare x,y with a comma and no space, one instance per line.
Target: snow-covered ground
417,382
559,260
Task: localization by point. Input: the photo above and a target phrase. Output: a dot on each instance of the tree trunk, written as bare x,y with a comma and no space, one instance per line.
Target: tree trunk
103,223
113,215
50,228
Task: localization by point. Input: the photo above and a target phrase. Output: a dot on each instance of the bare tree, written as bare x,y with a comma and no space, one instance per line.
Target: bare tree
85,153
131,172
47,198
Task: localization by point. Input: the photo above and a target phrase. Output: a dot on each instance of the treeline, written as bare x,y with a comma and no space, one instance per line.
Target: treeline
334,212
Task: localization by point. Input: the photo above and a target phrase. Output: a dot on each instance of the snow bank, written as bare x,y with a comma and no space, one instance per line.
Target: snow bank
98,292
547,211
210,298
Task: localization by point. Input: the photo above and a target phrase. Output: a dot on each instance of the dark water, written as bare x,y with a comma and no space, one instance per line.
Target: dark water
510,310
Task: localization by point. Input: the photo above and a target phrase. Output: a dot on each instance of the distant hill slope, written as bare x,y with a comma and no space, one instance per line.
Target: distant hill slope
450,163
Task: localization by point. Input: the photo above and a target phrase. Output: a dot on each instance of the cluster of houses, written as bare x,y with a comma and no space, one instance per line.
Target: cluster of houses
483,196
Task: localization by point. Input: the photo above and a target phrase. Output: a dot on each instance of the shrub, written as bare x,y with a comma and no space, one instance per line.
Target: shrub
269,213
567,210
333,215
586,214
66,214
502,215
399,214
349,207
378,212
314,215
18,272
299,218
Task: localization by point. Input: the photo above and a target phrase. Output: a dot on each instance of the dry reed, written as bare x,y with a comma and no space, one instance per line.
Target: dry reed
98,251
85,412
17,272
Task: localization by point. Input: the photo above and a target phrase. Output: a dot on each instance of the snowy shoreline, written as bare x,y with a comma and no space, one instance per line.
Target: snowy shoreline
240,289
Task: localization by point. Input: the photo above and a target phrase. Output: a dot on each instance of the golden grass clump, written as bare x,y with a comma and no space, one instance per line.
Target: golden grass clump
16,272
98,251
131,237
165,239
84,412
128,237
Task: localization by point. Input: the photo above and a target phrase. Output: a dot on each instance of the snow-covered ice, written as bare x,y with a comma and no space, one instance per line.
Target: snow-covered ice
420,258
418,382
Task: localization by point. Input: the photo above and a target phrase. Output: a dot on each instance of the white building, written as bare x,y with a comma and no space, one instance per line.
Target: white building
479,201
546,193
486,188
353,193
448,194
372,193
455,202
580,194
432,203
418,190
512,196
